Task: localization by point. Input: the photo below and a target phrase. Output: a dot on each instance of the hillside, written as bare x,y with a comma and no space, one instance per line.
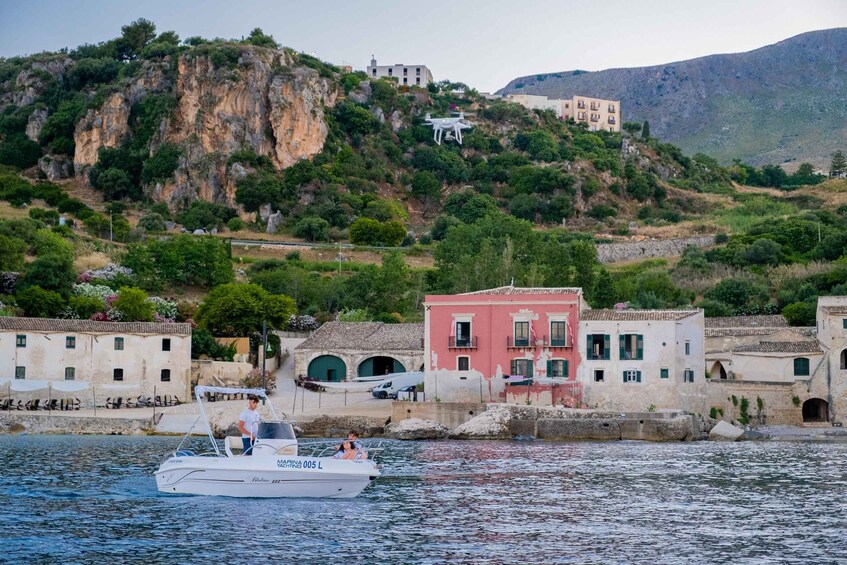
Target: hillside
784,103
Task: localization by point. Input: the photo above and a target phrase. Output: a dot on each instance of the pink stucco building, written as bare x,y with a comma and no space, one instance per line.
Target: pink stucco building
504,331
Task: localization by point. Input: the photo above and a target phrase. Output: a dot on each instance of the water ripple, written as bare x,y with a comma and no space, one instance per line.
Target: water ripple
94,499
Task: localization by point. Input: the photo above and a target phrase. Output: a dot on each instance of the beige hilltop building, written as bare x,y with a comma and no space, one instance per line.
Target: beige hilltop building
598,113
406,75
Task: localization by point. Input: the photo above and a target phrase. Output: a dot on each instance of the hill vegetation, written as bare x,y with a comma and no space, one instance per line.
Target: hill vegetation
524,200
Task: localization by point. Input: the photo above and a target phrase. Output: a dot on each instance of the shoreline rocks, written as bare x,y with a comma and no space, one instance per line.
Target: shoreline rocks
724,431
415,428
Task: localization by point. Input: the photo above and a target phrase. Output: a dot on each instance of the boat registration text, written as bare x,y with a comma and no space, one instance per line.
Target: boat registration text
298,464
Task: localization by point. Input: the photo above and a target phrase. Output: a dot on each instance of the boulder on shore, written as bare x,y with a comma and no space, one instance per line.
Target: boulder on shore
724,431
492,424
416,428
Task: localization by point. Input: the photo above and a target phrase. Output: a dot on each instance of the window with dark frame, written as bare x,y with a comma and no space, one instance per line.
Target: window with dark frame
70,342
801,367
521,334
166,375
463,363
118,375
20,372
119,344
557,368
70,373
632,376
598,346
599,376
632,347
20,341
558,333
522,367
166,344
664,373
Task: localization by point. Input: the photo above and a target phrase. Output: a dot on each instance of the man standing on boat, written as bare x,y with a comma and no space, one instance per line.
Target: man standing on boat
248,423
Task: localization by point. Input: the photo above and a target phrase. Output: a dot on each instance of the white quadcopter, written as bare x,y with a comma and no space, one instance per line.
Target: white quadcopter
452,126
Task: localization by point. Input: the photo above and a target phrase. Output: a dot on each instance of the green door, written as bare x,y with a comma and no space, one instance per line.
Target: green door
327,368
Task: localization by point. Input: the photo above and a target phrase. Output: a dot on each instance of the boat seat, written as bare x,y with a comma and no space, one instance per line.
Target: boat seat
233,444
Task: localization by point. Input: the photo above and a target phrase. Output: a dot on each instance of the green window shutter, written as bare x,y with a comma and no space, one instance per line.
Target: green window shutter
514,368
589,349
549,368
639,346
607,346
531,369
622,348
565,370
624,376
663,373
638,376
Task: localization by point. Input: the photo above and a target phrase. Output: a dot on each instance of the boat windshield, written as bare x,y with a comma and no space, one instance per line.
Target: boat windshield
276,430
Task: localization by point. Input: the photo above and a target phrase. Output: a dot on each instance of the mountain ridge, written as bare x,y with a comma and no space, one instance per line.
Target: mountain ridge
783,103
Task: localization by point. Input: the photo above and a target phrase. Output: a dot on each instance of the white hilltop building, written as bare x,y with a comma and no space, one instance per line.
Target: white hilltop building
406,75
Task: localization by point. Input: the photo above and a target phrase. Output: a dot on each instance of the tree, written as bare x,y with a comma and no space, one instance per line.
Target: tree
736,292
260,39
524,206
239,310
115,184
257,189
134,37
312,229
133,303
764,252
584,256
468,206
152,222
18,151
632,127
645,130
50,272
426,185
11,253
838,165
714,309
355,119
203,343
39,303
800,313
604,290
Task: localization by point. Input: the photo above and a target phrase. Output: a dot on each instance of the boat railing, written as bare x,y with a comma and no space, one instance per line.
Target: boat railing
328,448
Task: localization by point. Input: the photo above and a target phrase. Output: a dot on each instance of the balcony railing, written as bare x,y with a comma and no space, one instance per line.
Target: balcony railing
556,343
462,342
611,109
595,106
611,119
518,343
580,105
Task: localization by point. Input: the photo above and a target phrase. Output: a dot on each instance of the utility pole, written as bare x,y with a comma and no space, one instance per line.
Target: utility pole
264,354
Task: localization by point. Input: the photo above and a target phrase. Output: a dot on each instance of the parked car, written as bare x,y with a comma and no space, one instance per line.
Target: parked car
398,381
404,389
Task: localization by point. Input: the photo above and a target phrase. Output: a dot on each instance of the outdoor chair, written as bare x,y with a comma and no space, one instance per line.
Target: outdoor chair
129,403
176,401
18,406
158,401
114,404
51,404
5,404
32,404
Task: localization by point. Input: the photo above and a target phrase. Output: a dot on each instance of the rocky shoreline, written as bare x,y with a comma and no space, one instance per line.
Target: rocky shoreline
498,422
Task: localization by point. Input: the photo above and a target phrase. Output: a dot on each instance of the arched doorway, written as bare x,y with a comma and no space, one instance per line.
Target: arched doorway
327,368
843,359
815,410
718,372
380,365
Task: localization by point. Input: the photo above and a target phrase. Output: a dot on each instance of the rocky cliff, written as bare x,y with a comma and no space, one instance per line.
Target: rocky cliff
264,103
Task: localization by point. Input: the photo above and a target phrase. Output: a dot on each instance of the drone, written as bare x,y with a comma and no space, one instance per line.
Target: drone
452,126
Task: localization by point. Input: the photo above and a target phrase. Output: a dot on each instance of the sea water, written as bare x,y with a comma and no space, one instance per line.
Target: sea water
93,499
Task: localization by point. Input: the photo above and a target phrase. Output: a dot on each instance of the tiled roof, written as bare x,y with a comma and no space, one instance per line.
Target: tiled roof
90,326
512,290
780,347
635,315
775,321
366,336
740,332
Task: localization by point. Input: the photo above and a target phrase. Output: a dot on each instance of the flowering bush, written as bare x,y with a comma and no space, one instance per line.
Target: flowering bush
303,323
109,273
8,282
68,313
114,315
99,317
93,290
253,379
621,305
166,310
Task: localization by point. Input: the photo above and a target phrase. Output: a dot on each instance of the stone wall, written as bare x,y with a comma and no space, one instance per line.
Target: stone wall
14,423
616,252
219,373
450,414
777,398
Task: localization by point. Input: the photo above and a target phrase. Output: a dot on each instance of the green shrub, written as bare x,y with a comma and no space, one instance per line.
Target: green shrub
236,224
152,222
162,164
17,150
312,229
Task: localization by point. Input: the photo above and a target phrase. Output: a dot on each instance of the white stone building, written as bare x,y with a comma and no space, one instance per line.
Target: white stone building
597,114
136,356
638,359
406,75
342,351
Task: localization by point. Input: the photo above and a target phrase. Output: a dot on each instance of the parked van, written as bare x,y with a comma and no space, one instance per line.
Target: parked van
395,382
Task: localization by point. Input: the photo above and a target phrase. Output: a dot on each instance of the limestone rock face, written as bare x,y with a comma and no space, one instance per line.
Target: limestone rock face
30,83
35,123
416,428
274,221
494,423
263,104
106,127
724,431
55,167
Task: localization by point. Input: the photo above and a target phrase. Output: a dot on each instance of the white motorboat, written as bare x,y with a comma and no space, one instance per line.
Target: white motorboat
275,468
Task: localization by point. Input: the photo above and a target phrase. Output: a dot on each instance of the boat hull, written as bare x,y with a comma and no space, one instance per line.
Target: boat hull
265,477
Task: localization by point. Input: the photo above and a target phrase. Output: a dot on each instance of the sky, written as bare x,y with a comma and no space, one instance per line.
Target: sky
482,43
